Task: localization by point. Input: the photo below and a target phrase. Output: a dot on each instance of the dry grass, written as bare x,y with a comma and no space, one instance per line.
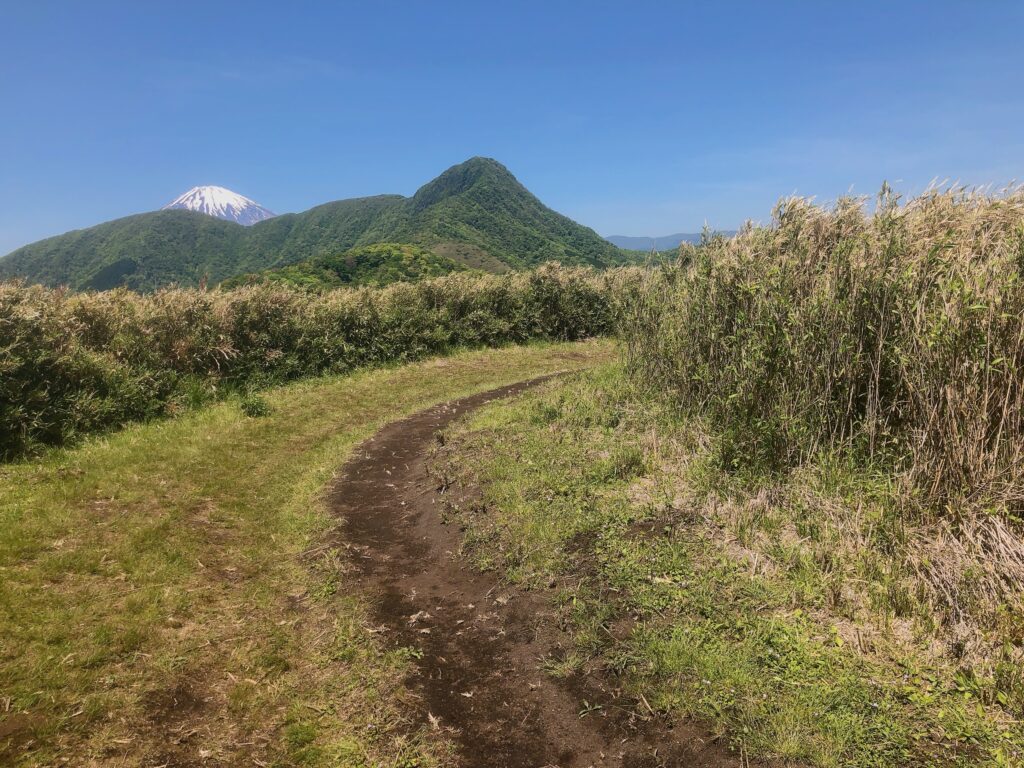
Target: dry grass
893,340
898,336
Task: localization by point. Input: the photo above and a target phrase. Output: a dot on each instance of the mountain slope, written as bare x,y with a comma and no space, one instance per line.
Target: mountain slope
221,203
140,251
378,264
475,213
480,203
325,229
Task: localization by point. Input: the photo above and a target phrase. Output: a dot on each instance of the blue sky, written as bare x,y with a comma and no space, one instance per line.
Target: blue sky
636,118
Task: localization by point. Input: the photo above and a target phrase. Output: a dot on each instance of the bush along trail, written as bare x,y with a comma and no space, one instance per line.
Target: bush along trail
175,594
72,364
480,645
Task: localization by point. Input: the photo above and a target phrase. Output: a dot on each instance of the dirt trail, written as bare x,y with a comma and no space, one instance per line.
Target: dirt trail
482,641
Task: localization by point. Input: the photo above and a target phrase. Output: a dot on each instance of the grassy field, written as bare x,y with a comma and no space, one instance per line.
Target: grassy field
785,609
173,592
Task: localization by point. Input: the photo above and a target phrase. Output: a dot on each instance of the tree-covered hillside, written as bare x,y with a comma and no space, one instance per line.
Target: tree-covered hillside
378,264
481,204
475,213
140,251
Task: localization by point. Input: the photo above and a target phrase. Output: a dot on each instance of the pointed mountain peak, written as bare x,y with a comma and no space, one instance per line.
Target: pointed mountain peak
221,203
479,167
461,178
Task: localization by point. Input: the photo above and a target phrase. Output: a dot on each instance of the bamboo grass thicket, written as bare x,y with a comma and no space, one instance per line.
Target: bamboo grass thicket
894,337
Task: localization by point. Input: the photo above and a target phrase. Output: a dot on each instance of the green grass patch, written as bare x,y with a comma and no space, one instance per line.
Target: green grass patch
172,591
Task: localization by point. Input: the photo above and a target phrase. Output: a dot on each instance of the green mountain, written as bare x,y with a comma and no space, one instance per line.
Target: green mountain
476,214
377,264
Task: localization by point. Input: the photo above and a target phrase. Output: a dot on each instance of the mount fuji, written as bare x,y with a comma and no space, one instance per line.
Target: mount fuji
222,204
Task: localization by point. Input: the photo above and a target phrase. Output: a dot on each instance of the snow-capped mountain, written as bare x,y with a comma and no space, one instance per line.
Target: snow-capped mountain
222,203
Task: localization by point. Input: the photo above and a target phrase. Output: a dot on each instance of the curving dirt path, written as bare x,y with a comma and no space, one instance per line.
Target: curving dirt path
481,641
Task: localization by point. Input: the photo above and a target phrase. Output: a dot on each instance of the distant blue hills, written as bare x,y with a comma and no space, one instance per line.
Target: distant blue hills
664,243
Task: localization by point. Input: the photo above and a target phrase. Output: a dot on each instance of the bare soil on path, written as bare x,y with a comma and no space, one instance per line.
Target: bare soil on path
480,642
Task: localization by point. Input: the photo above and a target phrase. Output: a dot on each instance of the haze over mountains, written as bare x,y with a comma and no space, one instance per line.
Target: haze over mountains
664,243
475,213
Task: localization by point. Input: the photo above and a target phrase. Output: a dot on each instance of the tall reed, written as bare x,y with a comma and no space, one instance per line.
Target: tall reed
893,336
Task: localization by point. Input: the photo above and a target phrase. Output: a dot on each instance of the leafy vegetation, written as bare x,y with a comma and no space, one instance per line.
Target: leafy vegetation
140,252
475,213
78,363
893,339
481,204
176,593
377,265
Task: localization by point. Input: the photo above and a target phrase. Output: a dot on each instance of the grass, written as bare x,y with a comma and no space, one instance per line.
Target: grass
797,515
787,611
174,591
893,336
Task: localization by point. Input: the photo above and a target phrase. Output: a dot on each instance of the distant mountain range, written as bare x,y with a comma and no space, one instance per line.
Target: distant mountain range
221,203
664,243
476,214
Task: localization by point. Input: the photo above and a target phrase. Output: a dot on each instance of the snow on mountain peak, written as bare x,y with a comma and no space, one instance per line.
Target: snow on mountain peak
221,203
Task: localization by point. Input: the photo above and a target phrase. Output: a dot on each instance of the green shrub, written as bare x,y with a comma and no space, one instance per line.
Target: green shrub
75,363
254,406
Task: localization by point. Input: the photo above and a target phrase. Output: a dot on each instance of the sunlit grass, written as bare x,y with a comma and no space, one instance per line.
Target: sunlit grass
171,588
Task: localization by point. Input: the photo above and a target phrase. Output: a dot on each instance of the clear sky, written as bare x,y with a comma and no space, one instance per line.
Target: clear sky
637,118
